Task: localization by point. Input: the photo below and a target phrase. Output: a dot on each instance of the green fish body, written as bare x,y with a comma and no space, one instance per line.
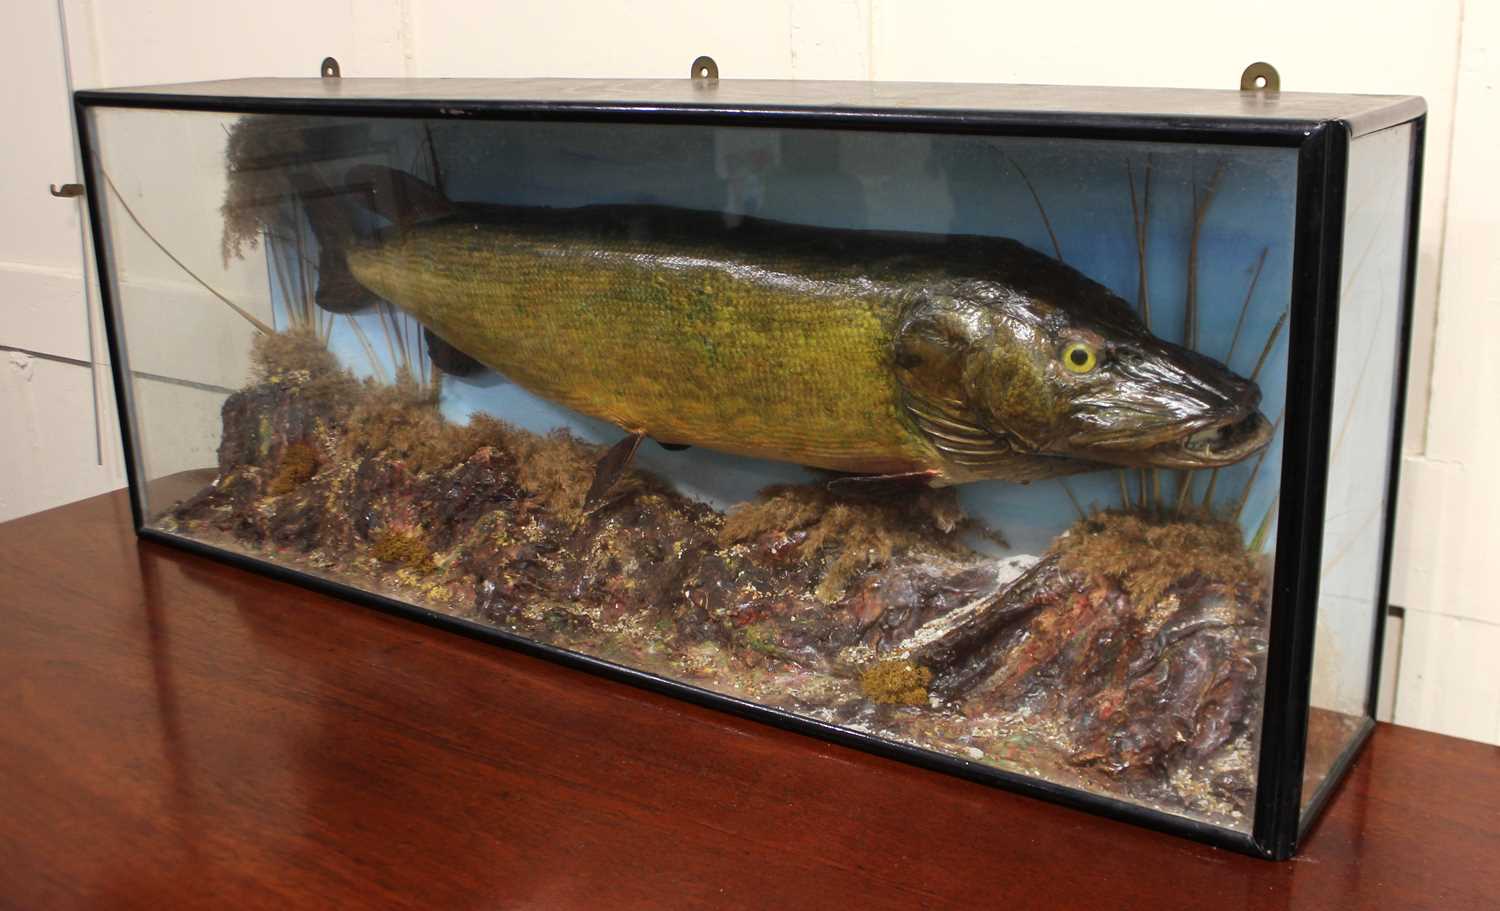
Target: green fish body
855,351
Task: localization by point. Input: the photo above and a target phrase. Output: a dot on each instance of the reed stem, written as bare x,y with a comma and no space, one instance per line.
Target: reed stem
249,317
1036,198
1245,307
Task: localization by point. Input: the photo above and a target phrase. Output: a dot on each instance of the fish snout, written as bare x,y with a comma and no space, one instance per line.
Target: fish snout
1169,407
1213,411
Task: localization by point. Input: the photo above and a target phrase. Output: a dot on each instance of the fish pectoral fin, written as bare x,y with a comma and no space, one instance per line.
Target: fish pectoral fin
609,469
674,447
447,357
957,436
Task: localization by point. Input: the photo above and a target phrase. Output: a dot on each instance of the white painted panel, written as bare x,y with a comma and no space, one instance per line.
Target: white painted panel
1450,508
179,425
1447,677
1390,667
160,204
47,443
42,308
1372,282
1434,564
122,43
37,229
42,305
657,38
180,331
829,40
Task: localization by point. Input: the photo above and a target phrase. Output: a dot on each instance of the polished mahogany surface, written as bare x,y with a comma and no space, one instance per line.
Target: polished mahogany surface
179,733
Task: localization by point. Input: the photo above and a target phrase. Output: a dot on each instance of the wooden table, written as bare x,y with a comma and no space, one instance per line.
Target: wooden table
178,733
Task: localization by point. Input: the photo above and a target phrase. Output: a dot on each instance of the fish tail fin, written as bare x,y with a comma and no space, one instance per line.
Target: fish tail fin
399,199
338,213
334,226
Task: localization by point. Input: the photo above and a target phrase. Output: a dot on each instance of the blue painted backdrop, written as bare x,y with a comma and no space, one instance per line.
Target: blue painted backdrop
956,184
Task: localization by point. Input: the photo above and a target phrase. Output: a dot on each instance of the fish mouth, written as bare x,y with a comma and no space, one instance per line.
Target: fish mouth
1217,443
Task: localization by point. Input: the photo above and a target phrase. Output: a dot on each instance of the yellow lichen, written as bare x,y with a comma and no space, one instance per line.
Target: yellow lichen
896,682
405,547
299,462
1146,555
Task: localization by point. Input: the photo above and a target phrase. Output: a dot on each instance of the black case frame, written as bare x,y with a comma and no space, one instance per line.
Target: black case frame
1322,167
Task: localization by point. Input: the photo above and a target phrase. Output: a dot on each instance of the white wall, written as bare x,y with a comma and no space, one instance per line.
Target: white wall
1444,50
57,435
1450,499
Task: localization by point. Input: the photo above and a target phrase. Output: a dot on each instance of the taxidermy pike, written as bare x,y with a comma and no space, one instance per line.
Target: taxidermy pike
937,357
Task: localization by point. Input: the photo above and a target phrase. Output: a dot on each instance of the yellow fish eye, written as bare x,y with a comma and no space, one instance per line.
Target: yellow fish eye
1079,357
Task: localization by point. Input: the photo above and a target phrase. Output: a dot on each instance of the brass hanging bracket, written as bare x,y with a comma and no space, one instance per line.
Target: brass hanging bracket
704,70
329,68
1260,77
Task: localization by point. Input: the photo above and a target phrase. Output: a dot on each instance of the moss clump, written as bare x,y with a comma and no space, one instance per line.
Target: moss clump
294,353
298,359
558,469
895,682
404,547
401,420
299,462
1146,555
259,155
852,534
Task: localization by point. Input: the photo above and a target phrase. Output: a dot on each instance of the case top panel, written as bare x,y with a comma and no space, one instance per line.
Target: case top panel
1123,106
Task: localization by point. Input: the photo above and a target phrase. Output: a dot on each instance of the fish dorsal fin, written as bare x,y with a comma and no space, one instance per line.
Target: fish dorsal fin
399,197
931,341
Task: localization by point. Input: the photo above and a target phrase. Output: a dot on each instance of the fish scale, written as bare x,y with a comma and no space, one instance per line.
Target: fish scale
861,351
706,349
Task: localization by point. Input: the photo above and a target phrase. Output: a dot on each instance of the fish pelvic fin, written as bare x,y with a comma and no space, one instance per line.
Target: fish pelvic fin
878,485
610,468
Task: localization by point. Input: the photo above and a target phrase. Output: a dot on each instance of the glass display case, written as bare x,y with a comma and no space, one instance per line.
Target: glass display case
1044,436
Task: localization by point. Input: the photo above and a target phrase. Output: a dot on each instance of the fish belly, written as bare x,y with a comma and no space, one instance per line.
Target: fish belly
698,350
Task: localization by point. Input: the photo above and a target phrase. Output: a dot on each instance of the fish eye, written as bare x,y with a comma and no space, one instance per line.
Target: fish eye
1080,357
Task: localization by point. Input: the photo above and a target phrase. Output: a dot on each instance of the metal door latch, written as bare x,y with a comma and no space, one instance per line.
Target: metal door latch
67,190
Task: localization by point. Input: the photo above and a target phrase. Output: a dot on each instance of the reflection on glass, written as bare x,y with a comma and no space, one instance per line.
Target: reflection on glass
1364,396
968,443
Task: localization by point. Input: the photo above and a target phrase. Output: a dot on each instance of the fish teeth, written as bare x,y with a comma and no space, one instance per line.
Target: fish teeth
1204,437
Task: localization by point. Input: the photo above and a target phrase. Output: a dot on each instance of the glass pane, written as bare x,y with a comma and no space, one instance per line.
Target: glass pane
394,353
1364,399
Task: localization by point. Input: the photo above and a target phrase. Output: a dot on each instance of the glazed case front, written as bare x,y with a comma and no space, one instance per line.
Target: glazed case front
1043,436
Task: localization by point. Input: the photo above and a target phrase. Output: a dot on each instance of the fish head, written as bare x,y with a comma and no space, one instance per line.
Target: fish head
1076,378
1126,397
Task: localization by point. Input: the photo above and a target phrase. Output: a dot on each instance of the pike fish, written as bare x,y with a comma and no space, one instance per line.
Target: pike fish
882,353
